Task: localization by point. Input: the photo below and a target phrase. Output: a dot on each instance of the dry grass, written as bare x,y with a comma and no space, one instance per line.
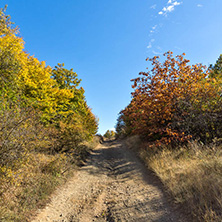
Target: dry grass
29,187
35,180
192,174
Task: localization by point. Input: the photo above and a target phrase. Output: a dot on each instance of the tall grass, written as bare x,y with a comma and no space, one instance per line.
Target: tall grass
192,174
35,181
30,168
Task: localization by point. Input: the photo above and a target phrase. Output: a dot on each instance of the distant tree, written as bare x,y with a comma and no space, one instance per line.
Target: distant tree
216,70
121,126
109,134
113,133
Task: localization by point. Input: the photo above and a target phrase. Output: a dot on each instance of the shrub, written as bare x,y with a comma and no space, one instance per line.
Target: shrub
175,102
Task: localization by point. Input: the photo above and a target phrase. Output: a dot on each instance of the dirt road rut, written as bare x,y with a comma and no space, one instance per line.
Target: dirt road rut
112,186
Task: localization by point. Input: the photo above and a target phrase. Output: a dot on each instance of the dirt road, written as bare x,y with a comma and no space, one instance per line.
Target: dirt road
112,186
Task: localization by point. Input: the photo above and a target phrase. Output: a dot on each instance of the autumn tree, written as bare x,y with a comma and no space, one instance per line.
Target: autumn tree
10,48
109,134
43,113
175,101
53,93
120,126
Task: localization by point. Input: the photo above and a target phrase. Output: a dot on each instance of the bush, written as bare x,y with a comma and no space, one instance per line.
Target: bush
175,102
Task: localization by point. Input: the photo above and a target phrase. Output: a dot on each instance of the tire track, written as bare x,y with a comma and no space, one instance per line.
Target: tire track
112,186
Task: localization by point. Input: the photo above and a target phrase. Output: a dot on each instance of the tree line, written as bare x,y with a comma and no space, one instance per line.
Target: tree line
41,107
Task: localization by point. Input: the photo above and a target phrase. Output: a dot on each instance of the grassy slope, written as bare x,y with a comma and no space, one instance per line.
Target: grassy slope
192,174
39,176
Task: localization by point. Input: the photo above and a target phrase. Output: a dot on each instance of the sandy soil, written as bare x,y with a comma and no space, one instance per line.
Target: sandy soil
112,186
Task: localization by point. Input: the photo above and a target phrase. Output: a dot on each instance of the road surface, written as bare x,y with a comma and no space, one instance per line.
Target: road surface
114,185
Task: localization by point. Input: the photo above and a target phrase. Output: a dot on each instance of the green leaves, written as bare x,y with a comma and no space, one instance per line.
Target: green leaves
66,79
54,93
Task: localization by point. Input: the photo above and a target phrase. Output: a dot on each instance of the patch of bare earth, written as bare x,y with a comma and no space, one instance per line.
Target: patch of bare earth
112,186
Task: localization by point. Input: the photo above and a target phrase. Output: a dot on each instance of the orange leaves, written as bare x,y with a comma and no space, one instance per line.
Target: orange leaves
166,96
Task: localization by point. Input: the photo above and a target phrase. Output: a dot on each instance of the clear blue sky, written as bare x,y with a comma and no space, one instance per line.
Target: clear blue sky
107,42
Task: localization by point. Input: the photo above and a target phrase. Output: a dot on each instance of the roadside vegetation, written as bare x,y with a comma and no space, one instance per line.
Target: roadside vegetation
176,111
46,126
